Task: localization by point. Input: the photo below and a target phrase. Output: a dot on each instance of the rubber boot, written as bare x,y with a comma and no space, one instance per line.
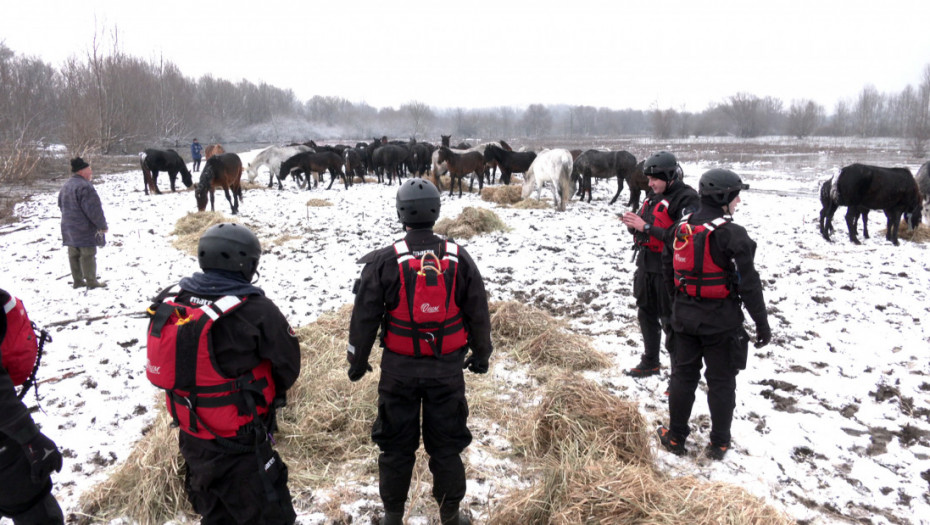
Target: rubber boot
45,512
453,517
89,265
392,518
74,260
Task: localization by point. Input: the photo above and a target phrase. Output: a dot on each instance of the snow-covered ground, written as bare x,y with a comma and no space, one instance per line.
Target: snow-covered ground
832,422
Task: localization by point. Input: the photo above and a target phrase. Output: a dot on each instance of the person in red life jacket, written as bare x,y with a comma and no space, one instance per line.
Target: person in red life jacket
219,318
27,456
427,296
709,269
83,224
669,199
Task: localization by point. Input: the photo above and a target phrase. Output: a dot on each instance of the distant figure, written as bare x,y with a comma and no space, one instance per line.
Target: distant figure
83,225
196,154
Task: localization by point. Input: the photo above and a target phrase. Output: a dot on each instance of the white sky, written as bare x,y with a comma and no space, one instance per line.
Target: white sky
480,53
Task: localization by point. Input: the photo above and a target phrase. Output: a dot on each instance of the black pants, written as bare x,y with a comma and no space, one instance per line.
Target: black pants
196,166
445,435
21,499
653,305
721,353
227,487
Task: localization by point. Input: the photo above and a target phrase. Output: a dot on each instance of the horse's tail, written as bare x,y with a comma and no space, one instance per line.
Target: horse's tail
146,173
565,183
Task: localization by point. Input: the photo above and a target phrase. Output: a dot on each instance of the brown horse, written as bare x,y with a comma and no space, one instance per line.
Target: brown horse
213,150
220,170
461,164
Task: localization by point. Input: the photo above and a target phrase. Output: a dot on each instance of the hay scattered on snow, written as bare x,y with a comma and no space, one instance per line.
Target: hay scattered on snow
921,234
190,227
319,202
533,204
469,223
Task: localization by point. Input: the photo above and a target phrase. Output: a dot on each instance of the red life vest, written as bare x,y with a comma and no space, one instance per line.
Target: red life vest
657,216
696,273
205,403
20,347
426,321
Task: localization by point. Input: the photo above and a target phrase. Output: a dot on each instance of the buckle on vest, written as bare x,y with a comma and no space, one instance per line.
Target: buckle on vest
682,236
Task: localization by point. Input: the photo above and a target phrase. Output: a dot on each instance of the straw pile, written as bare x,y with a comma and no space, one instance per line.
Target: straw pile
472,221
508,194
190,227
921,234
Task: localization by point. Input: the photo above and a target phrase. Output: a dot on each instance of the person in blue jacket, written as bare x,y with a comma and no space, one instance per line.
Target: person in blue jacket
196,154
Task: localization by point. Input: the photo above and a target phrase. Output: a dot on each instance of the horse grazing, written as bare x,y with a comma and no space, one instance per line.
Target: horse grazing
213,149
461,164
826,200
271,158
509,162
553,166
223,170
309,163
603,165
923,184
860,186
354,165
155,160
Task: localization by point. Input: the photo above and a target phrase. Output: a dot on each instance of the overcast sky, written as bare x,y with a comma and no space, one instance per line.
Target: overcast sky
682,54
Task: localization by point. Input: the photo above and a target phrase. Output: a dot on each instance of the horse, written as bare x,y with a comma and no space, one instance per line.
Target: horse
272,157
389,159
154,160
223,170
860,186
826,200
438,168
509,162
603,165
354,165
213,149
312,162
421,155
923,184
553,166
461,164
637,181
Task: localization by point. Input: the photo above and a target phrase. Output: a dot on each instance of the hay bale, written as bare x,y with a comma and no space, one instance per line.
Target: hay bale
469,223
190,227
508,194
574,409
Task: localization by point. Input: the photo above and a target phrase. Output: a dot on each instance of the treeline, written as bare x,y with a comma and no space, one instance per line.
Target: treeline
109,102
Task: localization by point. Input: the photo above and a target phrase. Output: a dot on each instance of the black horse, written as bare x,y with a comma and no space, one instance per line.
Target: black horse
603,165
155,160
509,162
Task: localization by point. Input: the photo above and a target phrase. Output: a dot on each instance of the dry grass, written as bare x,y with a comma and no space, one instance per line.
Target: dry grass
921,234
318,202
190,227
246,185
148,486
509,194
534,204
278,241
472,221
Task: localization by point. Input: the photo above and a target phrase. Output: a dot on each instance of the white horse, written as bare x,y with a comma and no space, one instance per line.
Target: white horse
272,157
554,166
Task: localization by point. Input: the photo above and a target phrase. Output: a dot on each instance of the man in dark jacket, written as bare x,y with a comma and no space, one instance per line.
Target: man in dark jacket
423,361
196,155
236,478
709,269
27,456
670,198
83,225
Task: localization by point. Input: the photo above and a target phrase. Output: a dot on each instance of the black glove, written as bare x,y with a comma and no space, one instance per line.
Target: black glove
763,335
43,457
357,371
477,365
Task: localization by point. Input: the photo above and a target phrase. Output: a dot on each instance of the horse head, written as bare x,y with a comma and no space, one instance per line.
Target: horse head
445,139
914,217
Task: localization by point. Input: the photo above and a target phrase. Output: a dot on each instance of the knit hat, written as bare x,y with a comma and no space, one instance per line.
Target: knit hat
77,164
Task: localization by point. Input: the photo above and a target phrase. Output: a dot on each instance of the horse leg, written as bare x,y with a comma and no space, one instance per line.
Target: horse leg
587,187
155,182
619,189
851,213
864,213
173,176
234,206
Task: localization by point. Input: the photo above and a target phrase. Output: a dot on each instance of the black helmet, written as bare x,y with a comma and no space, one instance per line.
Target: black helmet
229,246
719,186
418,203
664,166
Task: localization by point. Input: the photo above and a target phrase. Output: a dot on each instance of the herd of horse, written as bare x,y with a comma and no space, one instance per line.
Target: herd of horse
858,187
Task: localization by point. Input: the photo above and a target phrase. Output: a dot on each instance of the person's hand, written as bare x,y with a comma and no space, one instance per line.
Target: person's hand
43,457
476,365
357,371
763,335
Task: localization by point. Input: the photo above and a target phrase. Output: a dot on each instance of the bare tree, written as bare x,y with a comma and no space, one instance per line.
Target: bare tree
663,122
420,115
866,114
917,116
537,120
804,117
